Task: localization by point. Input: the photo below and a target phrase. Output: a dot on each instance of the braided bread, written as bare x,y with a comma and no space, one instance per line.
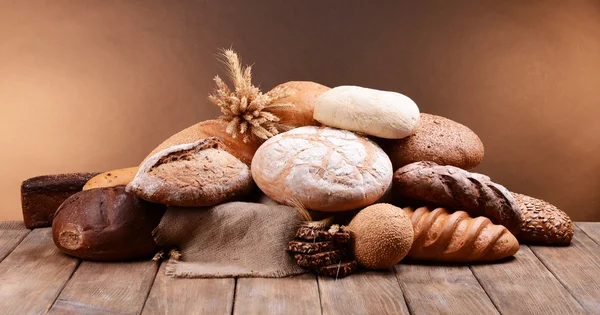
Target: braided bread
454,188
456,237
544,223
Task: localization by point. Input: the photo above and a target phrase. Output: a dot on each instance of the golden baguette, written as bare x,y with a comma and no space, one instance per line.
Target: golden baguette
456,237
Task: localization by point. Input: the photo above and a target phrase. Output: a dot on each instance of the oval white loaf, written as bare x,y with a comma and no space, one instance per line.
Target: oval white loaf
322,168
378,113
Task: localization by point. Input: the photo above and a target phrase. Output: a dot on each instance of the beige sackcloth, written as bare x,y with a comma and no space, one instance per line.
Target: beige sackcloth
235,239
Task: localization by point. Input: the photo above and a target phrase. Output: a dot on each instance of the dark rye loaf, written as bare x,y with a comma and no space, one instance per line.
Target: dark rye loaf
454,188
42,195
439,140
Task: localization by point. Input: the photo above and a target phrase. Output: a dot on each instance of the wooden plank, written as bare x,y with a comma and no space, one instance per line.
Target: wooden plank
577,267
523,285
11,234
297,295
107,288
365,292
32,276
189,296
431,289
591,229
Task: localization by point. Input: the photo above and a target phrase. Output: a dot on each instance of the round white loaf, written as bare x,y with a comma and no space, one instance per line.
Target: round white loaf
378,113
322,168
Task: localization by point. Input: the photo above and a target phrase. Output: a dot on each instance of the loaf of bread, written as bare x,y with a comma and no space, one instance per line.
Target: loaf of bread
382,235
42,195
456,237
106,224
244,151
322,168
113,178
544,223
457,189
439,140
373,112
301,94
198,174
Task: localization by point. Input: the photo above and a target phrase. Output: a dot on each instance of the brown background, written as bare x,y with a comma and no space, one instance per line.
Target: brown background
95,85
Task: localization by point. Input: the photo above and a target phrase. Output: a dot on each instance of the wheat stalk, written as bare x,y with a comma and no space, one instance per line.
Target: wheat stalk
246,110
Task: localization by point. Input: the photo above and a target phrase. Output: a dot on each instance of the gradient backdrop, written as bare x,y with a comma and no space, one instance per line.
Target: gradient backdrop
95,85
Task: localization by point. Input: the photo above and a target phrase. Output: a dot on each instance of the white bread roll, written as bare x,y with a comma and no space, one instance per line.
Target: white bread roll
322,168
378,113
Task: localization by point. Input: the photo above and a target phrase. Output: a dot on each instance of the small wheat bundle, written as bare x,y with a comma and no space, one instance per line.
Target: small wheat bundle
246,109
250,116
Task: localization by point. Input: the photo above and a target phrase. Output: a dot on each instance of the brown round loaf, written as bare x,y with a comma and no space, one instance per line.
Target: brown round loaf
106,224
197,174
302,94
207,129
439,140
543,222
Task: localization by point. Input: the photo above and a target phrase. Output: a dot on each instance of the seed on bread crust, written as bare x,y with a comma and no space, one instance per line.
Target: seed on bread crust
544,223
341,239
318,260
339,270
300,247
311,234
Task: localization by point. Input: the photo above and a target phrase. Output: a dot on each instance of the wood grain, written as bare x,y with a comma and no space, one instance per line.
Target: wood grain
365,292
107,288
297,295
32,276
431,289
524,285
189,296
577,267
591,229
11,234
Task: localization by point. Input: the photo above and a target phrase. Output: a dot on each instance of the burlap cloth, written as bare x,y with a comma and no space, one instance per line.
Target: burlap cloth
236,239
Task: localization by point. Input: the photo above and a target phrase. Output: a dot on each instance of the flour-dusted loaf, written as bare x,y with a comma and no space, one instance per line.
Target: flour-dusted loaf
438,140
377,113
197,174
208,129
457,189
445,236
322,168
544,223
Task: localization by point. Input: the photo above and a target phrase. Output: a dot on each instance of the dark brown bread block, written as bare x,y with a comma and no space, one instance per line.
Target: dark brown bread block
339,270
106,224
439,140
42,195
457,189
318,260
341,239
309,247
307,233
544,223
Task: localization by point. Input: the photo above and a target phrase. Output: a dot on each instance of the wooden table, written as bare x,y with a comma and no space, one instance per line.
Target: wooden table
35,277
